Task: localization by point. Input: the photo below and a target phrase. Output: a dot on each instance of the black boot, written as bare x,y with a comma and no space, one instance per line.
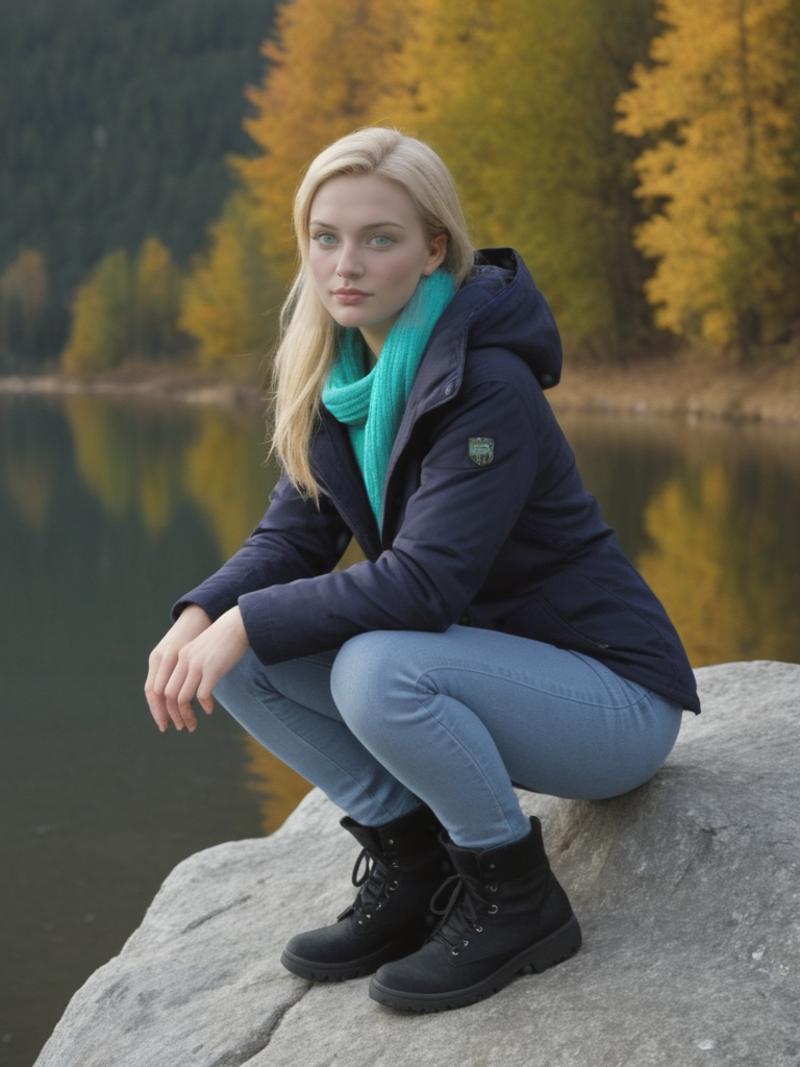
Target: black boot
404,863
506,914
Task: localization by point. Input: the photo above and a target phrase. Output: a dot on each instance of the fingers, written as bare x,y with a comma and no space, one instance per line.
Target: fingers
170,686
160,668
178,694
204,697
184,698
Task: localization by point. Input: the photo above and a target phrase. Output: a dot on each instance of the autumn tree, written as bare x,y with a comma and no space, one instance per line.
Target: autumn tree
24,299
717,110
157,284
518,97
102,317
228,298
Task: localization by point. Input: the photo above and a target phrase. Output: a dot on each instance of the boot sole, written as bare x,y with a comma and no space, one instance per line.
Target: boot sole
316,971
550,951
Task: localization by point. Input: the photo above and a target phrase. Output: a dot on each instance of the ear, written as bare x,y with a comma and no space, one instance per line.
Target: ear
437,252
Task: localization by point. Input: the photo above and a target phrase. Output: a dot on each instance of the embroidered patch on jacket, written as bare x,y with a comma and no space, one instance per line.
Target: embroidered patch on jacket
481,450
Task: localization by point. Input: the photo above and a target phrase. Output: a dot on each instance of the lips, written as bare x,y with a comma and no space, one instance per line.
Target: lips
350,296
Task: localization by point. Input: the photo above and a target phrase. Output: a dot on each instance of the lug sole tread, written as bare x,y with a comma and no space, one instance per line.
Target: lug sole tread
564,944
342,972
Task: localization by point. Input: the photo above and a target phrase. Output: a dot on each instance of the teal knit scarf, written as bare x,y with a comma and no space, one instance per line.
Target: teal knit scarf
372,404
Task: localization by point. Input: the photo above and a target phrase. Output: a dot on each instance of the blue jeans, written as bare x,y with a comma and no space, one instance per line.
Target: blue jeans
453,719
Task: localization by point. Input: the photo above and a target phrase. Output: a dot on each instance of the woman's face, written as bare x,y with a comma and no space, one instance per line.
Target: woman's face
368,251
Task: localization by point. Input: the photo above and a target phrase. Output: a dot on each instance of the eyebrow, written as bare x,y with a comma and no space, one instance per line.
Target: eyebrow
369,226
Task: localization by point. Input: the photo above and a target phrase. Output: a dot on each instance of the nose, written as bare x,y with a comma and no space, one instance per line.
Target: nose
349,265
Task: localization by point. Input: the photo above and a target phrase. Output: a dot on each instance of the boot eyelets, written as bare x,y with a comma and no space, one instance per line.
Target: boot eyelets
395,864
465,941
390,841
478,929
493,909
453,951
492,887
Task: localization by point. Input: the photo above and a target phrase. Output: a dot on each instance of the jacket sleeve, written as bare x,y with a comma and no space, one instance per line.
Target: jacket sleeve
454,525
292,541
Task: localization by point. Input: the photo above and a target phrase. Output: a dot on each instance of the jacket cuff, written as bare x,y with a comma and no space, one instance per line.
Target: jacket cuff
272,620
256,619
213,606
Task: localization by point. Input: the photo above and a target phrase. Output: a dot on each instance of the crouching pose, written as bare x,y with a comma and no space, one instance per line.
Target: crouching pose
494,635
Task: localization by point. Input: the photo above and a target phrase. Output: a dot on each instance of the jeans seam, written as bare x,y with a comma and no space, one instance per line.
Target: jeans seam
472,669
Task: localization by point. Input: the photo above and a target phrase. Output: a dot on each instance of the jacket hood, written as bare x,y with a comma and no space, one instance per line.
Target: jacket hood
501,306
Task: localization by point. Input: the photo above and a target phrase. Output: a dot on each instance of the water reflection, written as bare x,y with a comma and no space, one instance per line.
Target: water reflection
110,510
709,513
215,466
130,458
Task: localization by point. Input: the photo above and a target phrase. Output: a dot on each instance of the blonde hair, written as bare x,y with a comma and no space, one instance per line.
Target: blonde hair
306,346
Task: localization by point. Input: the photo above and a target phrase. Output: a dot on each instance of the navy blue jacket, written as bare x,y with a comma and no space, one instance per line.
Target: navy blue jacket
498,533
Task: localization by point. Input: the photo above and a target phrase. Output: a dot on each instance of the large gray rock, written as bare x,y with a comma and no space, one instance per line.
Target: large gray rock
686,889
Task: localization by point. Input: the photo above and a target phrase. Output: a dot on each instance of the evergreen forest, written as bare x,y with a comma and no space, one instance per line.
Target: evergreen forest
117,118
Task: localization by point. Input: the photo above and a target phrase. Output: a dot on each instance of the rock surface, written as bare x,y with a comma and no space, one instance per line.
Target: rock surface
686,889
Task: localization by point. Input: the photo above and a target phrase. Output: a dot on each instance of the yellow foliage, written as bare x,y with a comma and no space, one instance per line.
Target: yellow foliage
227,296
518,98
718,108
157,285
25,281
102,318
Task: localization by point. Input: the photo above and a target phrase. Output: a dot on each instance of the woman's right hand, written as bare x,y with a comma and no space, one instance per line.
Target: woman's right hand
191,622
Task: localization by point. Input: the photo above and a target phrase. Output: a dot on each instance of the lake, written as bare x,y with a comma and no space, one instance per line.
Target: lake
109,510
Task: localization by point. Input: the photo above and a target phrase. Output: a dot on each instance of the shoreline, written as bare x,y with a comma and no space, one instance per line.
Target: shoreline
690,386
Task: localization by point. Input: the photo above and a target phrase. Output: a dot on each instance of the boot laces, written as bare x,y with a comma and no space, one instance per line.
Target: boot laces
374,883
461,914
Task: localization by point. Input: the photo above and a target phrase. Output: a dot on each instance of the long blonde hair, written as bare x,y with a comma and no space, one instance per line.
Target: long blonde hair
306,347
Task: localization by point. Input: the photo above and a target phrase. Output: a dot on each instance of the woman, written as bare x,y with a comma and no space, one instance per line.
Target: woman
495,632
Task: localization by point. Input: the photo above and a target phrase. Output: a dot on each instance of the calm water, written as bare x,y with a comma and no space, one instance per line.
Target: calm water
108,511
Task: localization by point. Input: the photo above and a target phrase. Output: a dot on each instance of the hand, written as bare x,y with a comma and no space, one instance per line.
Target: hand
191,622
199,666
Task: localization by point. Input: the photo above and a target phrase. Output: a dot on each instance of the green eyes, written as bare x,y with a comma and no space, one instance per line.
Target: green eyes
328,240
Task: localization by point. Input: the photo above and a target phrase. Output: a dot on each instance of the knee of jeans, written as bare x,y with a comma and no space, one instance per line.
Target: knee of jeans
358,678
